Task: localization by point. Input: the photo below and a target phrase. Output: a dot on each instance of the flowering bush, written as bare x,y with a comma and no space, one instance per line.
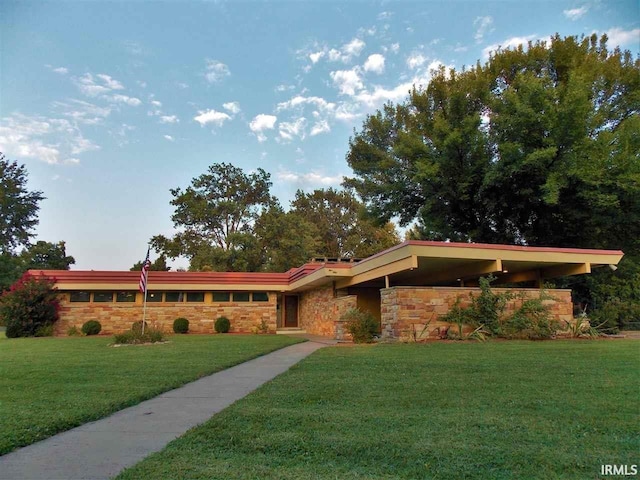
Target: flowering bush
30,305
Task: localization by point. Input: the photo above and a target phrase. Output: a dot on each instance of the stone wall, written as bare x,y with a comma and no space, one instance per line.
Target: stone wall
118,317
406,311
320,311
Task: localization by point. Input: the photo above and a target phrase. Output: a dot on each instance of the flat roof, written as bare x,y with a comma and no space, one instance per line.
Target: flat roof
413,262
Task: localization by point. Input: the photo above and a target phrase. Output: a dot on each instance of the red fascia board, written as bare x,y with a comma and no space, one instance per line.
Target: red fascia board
187,278
493,246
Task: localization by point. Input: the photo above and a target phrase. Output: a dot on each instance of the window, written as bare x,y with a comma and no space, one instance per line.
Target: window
174,297
125,296
221,296
103,296
240,296
154,297
260,296
79,296
195,296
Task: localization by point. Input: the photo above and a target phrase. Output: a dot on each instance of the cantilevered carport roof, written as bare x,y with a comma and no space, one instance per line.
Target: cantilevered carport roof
448,263
421,263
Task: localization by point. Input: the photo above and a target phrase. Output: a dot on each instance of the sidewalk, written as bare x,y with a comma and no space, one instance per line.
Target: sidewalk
101,449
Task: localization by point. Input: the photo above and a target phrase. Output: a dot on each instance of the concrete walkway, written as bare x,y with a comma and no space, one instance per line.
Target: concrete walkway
101,449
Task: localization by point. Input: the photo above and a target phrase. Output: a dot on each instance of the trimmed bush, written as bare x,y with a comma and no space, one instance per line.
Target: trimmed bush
31,304
181,325
222,325
362,326
92,327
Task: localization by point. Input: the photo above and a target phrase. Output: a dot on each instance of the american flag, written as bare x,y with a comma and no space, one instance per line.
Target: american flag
144,272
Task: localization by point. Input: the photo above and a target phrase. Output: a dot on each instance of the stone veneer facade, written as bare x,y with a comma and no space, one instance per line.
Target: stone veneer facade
320,312
119,317
406,310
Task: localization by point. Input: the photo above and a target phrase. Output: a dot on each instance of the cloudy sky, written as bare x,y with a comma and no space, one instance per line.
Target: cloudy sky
111,104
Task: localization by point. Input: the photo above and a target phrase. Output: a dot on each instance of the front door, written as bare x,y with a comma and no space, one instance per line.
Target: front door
290,311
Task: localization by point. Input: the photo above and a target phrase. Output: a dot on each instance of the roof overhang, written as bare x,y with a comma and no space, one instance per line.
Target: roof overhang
420,263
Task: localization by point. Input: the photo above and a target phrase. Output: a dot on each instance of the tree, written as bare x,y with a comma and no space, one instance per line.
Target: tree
46,256
18,206
216,216
158,265
287,239
538,146
340,224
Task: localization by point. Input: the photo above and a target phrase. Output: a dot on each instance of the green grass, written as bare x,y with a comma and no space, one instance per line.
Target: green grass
48,385
556,409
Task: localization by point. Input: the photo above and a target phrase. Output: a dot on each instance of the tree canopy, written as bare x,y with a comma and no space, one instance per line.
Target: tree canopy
229,221
18,206
539,146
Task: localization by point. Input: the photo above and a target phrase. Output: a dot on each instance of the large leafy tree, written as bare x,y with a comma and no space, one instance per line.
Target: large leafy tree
538,146
18,206
215,217
341,225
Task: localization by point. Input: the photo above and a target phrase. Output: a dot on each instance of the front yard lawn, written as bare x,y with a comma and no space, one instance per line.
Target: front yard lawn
534,410
48,385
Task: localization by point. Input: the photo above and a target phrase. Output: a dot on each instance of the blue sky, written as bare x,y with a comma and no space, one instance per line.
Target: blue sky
111,104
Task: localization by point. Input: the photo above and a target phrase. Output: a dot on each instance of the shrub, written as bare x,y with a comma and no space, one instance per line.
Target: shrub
92,327
31,303
488,308
532,321
614,315
181,325
137,326
73,331
133,336
45,331
362,326
222,325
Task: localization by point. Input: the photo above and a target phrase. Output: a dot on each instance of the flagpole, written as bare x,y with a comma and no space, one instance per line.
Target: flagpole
144,307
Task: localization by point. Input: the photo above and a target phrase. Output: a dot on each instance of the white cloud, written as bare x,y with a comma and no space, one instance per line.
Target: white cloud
141,83
216,71
156,103
51,140
300,101
575,13
260,123
310,179
512,42
395,47
483,25
289,130
416,60
169,137
384,15
100,85
211,116
83,112
131,101
347,81
621,38
375,63
233,107
284,88
110,83
320,127
169,119
353,48
316,56
61,70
